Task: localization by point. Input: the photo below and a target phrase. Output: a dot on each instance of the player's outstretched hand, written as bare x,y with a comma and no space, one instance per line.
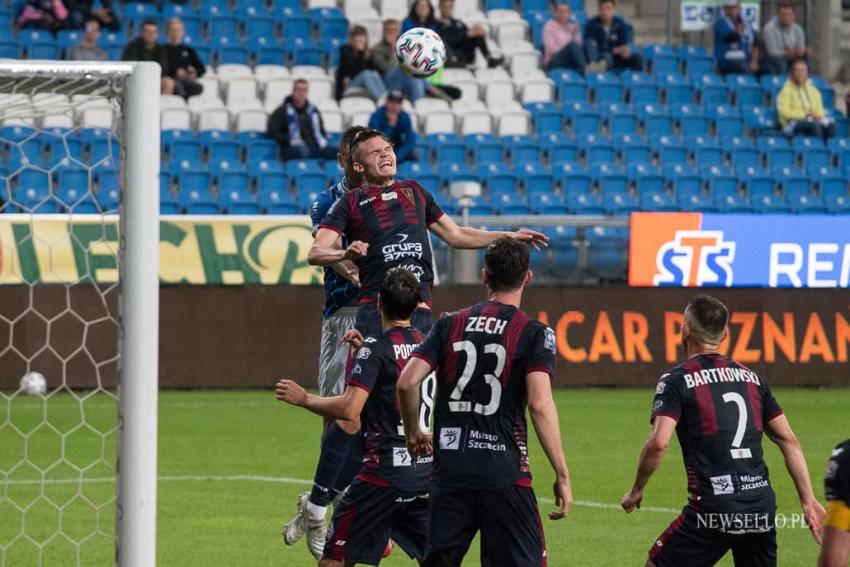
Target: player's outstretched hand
353,337
563,498
356,250
419,443
536,240
631,500
290,392
814,514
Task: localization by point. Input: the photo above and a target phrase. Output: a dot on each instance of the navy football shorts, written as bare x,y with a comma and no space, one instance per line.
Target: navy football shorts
508,519
369,320
369,515
695,540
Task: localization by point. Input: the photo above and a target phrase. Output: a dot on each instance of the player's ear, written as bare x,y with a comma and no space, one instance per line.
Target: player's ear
725,335
358,167
529,277
485,277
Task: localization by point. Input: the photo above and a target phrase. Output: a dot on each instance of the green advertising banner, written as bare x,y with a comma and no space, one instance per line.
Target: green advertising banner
196,250
699,15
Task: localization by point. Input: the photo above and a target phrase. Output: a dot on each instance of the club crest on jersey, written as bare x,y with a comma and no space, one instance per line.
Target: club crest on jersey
450,438
659,389
723,484
408,192
364,353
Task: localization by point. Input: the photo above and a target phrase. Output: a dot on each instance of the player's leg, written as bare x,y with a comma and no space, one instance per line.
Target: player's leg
452,523
755,550
361,523
511,531
689,542
410,529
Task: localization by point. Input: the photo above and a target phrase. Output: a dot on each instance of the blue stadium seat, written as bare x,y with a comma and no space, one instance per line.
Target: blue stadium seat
655,119
708,154
278,202
497,178
620,203
596,149
607,252
447,148
722,185
76,178
43,50
522,149
815,157
746,90
570,85
732,203
685,184
191,180
535,178
302,51
222,151
574,181
77,201
759,186
696,203
664,63
690,120
745,156
452,172
671,153
645,178
510,204
605,87
640,87
198,202
584,204
305,200
700,64
632,149
713,90
609,178
769,203
269,55
780,157
546,116
795,187
484,148
658,201
564,244
260,150
621,122
238,202
837,204
806,204
832,185
826,90
677,89
333,27
803,143
550,203
183,149
558,147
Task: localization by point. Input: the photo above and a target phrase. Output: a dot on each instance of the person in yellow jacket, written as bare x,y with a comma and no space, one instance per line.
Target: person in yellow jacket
800,106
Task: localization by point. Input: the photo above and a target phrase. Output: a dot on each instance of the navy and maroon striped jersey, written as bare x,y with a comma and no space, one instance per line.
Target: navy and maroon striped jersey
721,408
376,369
394,222
482,355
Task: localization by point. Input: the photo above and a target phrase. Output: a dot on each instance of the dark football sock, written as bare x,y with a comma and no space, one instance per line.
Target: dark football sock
336,445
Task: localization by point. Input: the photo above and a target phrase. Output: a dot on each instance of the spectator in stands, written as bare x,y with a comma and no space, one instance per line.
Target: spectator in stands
607,38
49,15
184,65
397,125
800,106
421,15
88,50
354,70
146,48
734,41
81,11
462,41
562,47
296,126
384,60
784,40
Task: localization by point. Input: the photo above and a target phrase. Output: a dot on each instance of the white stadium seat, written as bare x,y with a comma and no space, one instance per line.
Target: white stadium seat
172,101
374,26
359,117
538,90
352,104
510,31
240,88
265,72
439,122
213,119
321,4
396,9
276,90
230,70
175,119
514,122
353,8
498,91
469,89
307,71
333,120
428,104
467,105
200,102
476,122
96,117
251,120
498,16
321,89
57,121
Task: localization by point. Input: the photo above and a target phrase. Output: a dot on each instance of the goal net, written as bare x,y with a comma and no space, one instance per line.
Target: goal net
79,164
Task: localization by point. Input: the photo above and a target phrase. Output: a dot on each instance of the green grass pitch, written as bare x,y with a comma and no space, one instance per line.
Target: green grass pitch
231,465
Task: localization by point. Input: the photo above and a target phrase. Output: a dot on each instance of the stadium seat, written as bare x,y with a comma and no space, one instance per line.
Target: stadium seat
697,65
837,204
677,89
607,252
806,204
238,202
484,148
558,147
505,203
640,88
732,203
198,202
815,157
708,154
645,178
746,91
795,187
759,186
745,156
497,178
609,178
779,156
535,178
722,185
769,203
547,203
672,153
696,203
522,149
605,87
277,202
657,201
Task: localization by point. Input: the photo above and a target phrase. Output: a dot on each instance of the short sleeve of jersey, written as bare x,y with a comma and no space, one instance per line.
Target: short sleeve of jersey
338,215
433,211
431,348
770,407
542,352
669,397
320,209
366,367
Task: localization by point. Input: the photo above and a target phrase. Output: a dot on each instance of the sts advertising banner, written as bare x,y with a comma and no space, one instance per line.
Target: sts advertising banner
193,250
699,250
699,15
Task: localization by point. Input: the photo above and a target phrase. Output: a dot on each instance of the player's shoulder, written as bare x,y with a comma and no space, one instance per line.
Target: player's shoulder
372,345
841,455
672,376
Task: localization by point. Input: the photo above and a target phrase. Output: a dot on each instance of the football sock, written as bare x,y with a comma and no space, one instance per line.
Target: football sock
333,457
316,513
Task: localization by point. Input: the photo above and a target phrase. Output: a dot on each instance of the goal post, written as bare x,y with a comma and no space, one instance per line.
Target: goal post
130,92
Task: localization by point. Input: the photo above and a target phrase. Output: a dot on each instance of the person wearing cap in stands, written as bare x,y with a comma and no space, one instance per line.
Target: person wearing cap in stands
396,124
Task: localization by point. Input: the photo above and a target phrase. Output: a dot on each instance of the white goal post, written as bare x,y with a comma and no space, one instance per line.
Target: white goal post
134,89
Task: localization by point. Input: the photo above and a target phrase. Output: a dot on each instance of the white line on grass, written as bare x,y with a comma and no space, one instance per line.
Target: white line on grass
290,480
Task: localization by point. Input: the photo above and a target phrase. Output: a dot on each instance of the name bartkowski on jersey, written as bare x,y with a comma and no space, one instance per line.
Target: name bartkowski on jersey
719,376
486,441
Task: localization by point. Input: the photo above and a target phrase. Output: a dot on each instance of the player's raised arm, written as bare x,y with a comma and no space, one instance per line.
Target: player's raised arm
544,416
779,431
415,371
326,250
467,237
347,406
650,459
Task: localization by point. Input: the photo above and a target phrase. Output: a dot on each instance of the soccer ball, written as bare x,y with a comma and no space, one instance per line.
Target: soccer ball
33,383
420,52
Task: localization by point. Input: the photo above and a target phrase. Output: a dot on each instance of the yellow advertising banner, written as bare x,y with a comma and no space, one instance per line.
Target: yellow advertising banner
196,250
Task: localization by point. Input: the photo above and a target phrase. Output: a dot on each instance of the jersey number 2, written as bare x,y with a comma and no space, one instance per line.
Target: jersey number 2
455,404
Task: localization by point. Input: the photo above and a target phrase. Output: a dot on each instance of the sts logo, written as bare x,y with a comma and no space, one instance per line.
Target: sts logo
695,258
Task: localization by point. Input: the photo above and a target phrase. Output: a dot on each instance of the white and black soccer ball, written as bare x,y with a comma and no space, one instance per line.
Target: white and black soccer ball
34,383
420,52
